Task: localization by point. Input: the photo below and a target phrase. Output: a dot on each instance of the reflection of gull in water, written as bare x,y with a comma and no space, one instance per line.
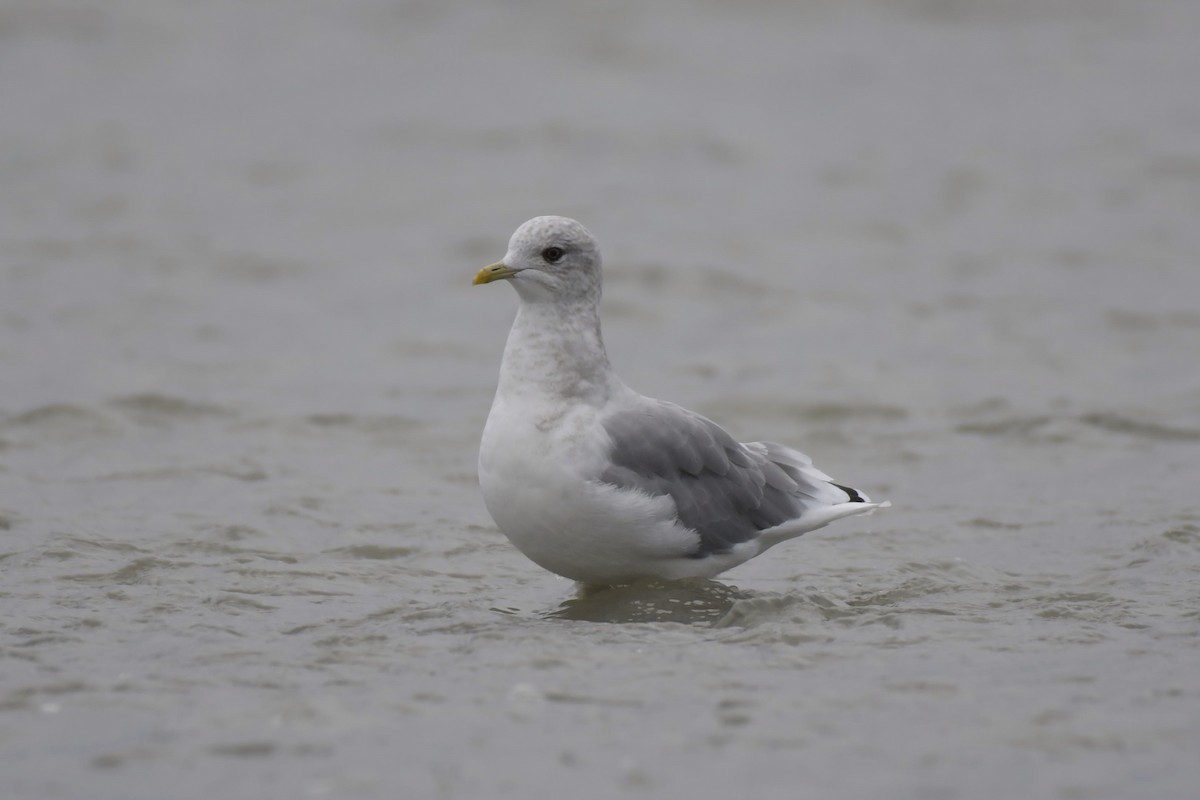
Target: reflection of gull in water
595,482
691,601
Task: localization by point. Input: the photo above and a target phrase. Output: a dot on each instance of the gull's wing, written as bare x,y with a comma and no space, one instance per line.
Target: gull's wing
726,491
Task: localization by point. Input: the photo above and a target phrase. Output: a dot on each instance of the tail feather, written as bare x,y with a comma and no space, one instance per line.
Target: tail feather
813,519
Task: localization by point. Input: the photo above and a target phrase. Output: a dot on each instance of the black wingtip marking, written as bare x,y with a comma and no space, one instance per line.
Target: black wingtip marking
855,497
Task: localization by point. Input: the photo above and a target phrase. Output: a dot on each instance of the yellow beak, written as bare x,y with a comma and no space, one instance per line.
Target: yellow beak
493,272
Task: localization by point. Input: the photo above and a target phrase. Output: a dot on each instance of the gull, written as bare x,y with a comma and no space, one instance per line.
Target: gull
599,484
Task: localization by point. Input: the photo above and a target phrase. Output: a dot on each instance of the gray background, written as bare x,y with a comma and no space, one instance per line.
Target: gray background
947,247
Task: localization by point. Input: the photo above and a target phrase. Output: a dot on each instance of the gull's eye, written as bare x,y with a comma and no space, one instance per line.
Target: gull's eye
552,255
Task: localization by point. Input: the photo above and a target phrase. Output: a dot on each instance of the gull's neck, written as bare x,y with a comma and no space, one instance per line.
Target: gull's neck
555,351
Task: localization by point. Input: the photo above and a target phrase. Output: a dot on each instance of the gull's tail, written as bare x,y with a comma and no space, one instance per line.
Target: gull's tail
821,500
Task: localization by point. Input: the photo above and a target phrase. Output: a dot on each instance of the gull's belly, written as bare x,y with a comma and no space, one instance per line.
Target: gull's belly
539,486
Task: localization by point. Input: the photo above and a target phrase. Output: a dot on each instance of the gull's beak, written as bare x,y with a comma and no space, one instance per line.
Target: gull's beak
493,272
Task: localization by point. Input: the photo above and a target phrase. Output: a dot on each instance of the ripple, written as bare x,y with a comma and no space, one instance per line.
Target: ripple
138,571
362,423
249,474
244,749
1045,427
1006,426
159,409
1115,423
1185,534
373,551
59,421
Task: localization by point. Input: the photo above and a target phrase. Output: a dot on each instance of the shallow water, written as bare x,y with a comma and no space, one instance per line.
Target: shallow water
947,248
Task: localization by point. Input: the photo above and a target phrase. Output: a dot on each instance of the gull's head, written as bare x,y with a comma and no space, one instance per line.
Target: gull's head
549,258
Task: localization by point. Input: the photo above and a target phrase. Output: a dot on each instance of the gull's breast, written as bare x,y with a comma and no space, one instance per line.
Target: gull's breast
541,487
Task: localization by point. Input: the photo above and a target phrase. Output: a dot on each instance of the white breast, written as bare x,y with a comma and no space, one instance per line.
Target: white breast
538,475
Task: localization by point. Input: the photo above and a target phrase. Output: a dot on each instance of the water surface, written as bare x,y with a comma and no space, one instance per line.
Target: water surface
947,248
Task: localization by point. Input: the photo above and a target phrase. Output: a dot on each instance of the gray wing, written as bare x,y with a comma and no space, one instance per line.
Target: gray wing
725,491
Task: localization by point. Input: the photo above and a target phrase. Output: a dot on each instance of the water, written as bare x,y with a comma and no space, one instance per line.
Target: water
947,248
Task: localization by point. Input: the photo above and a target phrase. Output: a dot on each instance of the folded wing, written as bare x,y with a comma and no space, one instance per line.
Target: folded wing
726,491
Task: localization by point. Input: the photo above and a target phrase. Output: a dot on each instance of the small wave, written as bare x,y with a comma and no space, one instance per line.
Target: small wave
1007,426
813,413
151,408
28,696
923,591
802,608
139,571
373,551
385,426
1051,428
59,420
992,524
1115,423
1138,321
1185,534
254,749
236,603
835,412
170,473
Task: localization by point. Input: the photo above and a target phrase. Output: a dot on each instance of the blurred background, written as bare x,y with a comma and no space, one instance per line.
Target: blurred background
947,247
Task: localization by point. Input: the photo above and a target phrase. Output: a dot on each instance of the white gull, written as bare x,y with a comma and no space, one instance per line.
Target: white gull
597,483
